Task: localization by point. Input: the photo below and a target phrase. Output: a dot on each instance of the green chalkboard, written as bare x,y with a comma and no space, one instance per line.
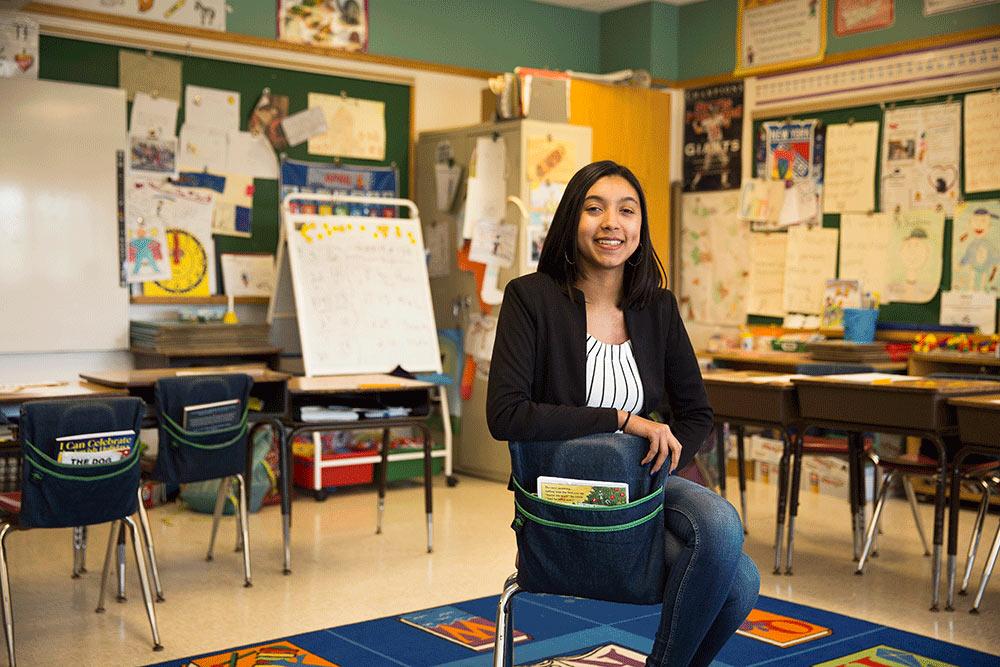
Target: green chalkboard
97,64
920,313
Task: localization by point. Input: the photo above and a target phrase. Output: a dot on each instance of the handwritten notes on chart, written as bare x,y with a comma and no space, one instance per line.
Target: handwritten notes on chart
355,127
982,141
920,157
849,172
864,250
362,295
767,274
811,259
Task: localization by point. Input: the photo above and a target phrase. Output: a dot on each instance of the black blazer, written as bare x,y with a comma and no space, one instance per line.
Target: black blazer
538,373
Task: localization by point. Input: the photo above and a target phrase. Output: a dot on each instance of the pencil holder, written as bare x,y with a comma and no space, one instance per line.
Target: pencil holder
859,324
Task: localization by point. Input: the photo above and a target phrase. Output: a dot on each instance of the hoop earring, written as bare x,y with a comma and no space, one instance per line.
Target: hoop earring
636,263
566,256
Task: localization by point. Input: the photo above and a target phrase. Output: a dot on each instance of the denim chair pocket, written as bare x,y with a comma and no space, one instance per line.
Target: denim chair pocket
611,553
187,455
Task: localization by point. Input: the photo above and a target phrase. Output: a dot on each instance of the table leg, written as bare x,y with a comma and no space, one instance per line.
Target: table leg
779,522
383,475
953,512
428,490
938,519
793,501
857,520
720,455
285,489
741,474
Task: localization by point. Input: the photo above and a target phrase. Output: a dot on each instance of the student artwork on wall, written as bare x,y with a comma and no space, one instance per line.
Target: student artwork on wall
767,274
18,46
715,265
975,247
854,16
186,215
551,163
232,214
355,127
982,141
915,256
145,225
152,157
810,261
779,33
206,14
712,137
248,274
792,152
920,157
267,116
339,24
839,294
849,169
864,250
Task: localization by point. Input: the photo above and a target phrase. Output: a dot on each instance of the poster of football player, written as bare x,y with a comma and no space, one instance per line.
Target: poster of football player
713,126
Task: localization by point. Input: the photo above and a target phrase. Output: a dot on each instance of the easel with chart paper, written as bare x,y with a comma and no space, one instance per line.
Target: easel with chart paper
352,294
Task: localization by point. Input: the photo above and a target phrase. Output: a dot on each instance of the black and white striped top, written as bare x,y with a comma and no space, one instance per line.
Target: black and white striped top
612,376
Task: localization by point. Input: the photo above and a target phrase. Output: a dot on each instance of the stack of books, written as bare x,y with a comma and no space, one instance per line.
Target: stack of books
166,336
846,351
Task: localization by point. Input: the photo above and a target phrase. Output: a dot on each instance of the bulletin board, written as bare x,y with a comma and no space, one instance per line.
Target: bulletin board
86,62
921,313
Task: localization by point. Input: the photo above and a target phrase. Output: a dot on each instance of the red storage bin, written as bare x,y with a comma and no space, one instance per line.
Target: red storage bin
302,471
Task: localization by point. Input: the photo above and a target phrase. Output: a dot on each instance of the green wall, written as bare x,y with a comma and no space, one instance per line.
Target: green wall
495,35
626,35
708,41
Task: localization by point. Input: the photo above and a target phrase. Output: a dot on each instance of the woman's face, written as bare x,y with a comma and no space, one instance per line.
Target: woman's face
609,226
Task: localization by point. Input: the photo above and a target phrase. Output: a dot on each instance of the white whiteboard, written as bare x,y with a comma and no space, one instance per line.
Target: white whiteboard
59,262
362,295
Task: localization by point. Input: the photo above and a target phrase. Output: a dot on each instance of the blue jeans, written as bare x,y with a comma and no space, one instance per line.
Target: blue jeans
711,584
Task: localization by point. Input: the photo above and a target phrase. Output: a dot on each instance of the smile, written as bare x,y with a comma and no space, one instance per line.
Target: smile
610,243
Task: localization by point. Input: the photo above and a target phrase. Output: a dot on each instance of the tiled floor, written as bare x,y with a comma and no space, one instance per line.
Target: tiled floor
343,573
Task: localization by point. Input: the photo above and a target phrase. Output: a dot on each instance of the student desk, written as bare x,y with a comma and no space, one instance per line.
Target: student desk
749,398
783,362
979,432
946,361
15,395
363,391
888,404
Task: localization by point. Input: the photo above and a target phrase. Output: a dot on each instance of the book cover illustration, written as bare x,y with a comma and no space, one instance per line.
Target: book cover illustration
780,631
839,294
568,491
458,626
95,448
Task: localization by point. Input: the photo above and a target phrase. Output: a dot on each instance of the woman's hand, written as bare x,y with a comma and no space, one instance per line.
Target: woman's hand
662,442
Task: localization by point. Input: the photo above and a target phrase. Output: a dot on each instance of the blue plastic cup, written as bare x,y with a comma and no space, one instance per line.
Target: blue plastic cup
859,324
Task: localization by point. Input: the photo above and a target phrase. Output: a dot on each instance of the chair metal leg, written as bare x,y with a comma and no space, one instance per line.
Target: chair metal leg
147,536
720,456
977,533
873,525
503,648
108,556
912,498
79,551
244,530
121,566
140,564
742,475
8,610
220,502
987,572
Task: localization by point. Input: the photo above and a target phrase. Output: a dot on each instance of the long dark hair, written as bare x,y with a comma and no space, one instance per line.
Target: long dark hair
644,273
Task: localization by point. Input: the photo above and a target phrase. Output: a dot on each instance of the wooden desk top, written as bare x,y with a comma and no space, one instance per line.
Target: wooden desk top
901,383
15,394
749,378
147,377
339,384
989,402
790,359
950,357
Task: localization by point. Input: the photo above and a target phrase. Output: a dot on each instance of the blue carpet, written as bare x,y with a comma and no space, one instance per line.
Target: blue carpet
566,632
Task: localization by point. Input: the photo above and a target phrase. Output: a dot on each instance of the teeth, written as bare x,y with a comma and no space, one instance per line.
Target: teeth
610,242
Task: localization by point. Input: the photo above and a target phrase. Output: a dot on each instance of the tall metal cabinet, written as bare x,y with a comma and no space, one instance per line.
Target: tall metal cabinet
475,451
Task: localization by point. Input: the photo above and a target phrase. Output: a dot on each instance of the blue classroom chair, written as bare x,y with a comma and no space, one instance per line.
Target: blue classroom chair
64,494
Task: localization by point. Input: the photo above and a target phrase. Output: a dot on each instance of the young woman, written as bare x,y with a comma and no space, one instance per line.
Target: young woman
592,343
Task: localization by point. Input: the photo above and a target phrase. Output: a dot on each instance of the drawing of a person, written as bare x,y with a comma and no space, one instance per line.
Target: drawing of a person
144,249
982,254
